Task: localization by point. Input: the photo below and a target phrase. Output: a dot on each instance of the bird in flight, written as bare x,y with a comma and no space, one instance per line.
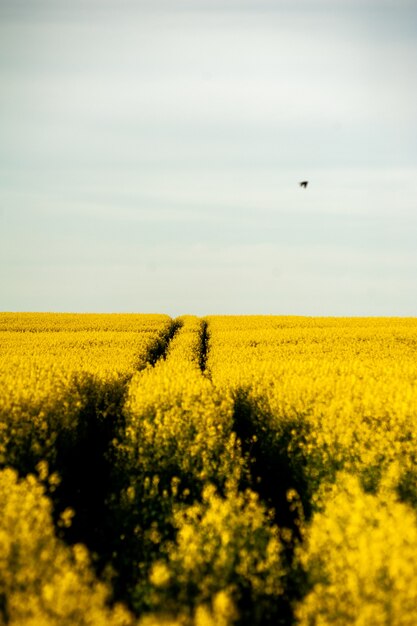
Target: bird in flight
304,184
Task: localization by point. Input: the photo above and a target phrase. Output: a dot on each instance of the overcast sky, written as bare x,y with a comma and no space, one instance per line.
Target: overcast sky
150,155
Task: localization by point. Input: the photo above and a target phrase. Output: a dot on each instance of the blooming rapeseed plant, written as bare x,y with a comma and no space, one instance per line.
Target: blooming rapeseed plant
360,556
43,581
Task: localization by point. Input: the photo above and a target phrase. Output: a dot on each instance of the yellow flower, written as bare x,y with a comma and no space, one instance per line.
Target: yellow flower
160,575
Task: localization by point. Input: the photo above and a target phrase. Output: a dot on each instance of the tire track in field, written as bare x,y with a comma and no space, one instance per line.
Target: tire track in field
270,472
159,349
86,466
273,474
273,470
204,345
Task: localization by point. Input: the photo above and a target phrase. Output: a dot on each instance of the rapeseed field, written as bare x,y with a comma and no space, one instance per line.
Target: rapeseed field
207,471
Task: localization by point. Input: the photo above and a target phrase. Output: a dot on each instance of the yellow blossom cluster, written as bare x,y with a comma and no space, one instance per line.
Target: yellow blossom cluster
221,611
222,543
43,582
360,554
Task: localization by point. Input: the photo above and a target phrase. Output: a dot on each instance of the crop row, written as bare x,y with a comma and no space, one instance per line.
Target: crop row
331,408
61,388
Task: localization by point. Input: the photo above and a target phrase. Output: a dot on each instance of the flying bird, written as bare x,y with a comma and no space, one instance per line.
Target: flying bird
304,184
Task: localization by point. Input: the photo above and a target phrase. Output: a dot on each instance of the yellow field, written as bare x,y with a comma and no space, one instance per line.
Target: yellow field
207,471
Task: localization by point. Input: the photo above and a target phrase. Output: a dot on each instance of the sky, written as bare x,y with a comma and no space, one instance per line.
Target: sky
151,153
